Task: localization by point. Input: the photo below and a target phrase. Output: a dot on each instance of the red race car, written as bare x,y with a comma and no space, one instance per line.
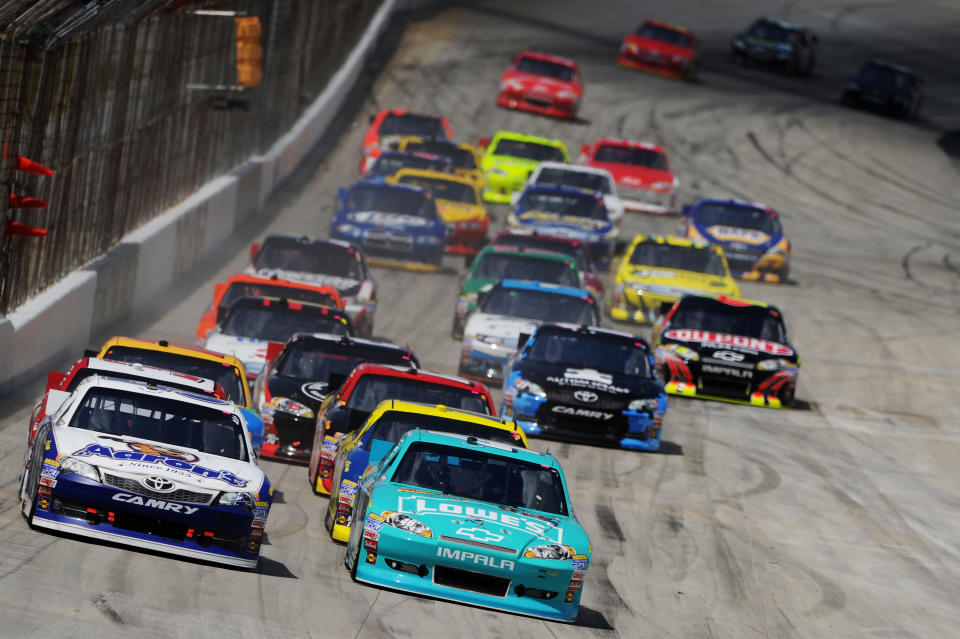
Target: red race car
542,84
389,126
659,47
368,385
641,171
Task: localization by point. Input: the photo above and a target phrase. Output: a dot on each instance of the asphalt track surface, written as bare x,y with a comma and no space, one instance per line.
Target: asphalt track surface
839,518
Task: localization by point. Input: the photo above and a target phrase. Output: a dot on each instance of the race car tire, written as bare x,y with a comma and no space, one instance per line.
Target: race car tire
32,496
357,532
787,400
334,499
328,523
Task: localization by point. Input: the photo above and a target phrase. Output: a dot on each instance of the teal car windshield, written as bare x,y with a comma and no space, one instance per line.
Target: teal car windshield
482,475
392,425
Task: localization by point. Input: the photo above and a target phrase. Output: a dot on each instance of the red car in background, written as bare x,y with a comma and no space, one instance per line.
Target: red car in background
659,47
576,249
389,126
543,84
641,171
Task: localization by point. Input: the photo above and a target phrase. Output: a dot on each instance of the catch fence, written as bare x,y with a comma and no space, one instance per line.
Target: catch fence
134,104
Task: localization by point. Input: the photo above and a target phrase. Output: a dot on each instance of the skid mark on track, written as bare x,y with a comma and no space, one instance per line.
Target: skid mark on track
608,520
101,603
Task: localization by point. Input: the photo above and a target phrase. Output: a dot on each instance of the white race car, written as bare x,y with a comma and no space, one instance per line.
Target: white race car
149,466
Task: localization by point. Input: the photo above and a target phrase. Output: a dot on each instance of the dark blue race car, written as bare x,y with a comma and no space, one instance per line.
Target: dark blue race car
390,223
566,212
885,86
586,383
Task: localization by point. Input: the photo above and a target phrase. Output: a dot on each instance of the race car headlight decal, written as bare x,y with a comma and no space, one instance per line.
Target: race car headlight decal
649,403
550,551
349,229
287,405
528,387
407,523
661,186
566,95
429,239
778,364
634,48
82,468
496,171
232,498
684,353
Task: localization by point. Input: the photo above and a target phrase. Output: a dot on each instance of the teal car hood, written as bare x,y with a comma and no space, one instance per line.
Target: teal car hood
484,522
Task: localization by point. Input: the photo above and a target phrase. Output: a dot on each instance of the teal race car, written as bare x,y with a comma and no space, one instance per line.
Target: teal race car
471,520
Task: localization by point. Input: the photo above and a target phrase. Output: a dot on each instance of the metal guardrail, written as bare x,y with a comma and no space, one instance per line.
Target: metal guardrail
104,93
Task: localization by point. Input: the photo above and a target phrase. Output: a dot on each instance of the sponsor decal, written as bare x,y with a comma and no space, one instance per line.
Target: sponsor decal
159,504
348,487
654,274
733,233
43,503
729,372
51,462
315,390
150,449
263,504
373,523
48,481
143,458
583,412
49,472
589,379
260,513
729,356
588,397
479,534
710,337
475,558
543,528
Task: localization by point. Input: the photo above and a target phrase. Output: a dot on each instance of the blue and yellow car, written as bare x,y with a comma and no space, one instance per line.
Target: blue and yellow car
365,447
750,234
471,520
567,212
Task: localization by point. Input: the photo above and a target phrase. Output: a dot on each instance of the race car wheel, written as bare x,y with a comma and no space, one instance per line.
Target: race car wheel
31,496
787,400
328,523
334,500
356,536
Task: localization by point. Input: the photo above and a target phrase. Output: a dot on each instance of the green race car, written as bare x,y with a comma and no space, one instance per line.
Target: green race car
511,157
494,263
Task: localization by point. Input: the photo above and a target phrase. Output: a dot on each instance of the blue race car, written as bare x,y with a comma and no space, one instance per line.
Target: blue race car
145,465
392,222
511,308
585,383
365,447
471,520
566,212
887,87
749,233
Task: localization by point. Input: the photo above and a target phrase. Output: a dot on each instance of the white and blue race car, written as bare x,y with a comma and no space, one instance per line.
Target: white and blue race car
150,466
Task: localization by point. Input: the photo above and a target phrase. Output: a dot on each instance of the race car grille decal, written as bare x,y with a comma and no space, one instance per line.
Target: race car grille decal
180,495
478,544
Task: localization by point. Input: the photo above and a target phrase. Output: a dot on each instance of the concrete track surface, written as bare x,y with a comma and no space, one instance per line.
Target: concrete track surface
839,518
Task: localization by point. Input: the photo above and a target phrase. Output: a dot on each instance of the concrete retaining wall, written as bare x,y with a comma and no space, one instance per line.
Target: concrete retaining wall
58,323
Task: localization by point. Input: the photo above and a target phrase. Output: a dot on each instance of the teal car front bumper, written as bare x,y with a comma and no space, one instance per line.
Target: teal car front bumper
471,574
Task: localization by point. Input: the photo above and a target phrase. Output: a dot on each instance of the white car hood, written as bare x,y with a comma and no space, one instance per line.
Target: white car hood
252,352
502,326
185,467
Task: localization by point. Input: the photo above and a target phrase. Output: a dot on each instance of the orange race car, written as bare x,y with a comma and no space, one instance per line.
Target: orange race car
242,285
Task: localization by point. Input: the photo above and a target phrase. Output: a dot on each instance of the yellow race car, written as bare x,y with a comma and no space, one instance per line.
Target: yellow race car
226,370
460,206
364,448
658,270
464,156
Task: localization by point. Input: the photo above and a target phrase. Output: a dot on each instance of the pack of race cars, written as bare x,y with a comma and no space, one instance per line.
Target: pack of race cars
431,486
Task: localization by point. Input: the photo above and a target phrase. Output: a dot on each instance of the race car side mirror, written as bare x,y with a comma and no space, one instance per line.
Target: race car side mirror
254,249
483,142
